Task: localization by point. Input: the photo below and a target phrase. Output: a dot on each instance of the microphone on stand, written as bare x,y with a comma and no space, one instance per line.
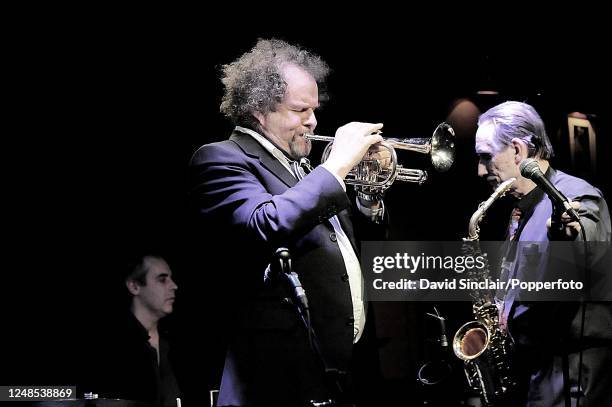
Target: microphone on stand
439,369
280,267
442,338
530,169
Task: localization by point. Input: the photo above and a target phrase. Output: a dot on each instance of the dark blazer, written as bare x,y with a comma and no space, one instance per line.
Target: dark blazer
125,366
246,197
544,330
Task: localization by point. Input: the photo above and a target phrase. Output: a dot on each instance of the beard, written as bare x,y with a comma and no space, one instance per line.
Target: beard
299,147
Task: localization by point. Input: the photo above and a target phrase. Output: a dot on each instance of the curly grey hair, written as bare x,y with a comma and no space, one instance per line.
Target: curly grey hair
520,120
254,82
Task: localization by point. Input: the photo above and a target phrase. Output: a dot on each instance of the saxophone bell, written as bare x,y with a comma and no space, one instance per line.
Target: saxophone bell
471,340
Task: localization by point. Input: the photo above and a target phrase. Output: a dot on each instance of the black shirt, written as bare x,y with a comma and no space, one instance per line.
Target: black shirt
128,367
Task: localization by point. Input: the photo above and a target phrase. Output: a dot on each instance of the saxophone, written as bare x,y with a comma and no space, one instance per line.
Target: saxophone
482,344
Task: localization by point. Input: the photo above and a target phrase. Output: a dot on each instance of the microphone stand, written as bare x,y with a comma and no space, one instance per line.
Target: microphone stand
300,304
557,229
434,375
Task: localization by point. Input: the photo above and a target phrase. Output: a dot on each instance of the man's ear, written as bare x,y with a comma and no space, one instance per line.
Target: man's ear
133,287
260,118
521,150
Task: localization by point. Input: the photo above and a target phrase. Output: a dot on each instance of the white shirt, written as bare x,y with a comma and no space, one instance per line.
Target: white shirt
351,262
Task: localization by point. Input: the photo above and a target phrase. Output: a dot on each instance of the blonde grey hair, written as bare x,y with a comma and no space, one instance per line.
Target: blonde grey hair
518,120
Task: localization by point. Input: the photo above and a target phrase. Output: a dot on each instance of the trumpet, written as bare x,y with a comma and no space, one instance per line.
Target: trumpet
372,176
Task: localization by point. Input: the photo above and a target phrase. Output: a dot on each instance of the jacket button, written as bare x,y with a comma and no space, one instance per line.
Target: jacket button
345,277
332,237
350,321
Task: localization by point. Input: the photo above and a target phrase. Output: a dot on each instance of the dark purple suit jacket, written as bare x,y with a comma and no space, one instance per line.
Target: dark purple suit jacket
244,195
545,330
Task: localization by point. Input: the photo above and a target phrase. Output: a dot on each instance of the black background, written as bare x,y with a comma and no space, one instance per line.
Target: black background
107,113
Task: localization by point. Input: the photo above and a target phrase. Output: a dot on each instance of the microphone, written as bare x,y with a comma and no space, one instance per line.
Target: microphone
530,169
279,266
442,338
282,259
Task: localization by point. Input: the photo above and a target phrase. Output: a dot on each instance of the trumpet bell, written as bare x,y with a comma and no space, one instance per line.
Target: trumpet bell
443,147
440,146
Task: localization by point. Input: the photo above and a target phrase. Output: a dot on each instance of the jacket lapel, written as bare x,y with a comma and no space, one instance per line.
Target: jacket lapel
252,147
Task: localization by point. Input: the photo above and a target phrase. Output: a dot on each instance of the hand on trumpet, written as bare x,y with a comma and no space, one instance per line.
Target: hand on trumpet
351,143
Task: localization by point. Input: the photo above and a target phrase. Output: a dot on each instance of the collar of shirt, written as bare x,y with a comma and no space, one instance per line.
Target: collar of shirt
267,144
526,205
278,154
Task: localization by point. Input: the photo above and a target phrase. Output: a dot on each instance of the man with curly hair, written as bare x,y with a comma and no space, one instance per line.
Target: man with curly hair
252,188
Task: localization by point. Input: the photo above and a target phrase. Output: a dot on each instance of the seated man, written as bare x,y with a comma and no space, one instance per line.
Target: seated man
133,361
